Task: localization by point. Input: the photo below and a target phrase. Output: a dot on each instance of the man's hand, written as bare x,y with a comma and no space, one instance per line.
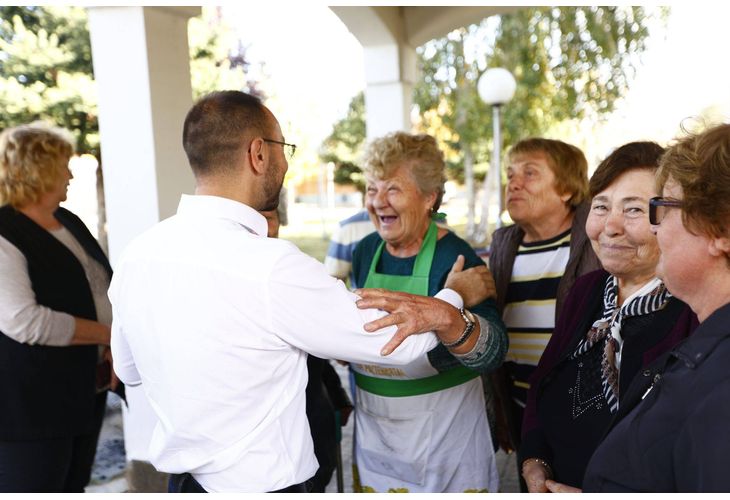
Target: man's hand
475,285
410,313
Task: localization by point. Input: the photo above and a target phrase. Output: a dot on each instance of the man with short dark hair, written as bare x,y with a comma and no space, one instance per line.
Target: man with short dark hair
214,319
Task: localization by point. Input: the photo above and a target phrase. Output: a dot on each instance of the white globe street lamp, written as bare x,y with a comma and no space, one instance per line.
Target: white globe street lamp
496,87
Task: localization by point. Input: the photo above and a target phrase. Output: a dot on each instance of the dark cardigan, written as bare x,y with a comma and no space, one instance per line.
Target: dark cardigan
48,391
581,307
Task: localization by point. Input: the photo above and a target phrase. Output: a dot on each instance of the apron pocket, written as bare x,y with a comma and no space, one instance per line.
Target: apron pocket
397,448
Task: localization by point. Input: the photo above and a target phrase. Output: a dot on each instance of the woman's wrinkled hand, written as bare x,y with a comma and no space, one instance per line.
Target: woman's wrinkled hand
535,476
475,284
556,487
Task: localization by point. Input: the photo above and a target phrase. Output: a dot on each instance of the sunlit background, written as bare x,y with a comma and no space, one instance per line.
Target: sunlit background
308,65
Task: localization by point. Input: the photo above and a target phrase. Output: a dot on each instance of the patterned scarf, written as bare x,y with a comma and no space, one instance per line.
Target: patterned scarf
650,298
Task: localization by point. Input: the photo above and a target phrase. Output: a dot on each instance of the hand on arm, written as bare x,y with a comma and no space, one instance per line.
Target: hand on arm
413,314
475,284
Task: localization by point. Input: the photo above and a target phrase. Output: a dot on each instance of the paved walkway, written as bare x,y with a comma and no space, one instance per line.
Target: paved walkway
109,468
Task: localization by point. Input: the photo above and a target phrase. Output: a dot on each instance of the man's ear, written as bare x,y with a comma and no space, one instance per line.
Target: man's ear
257,155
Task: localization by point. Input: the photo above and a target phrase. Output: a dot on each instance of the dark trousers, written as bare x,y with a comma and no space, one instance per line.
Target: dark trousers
60,465
186,483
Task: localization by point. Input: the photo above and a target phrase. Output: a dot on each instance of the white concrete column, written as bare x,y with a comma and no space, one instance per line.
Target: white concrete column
390,75
390,66
389,36
142,70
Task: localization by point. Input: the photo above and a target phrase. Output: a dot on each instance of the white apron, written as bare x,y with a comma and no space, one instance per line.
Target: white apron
417,430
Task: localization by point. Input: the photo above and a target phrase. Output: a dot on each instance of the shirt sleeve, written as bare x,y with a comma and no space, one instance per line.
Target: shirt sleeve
21,317
124,365
491,347
336,267
317,314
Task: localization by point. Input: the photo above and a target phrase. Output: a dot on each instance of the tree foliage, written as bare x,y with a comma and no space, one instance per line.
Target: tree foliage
46,71
344,145
568,61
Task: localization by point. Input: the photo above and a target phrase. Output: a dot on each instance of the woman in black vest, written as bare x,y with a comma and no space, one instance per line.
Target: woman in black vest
54,320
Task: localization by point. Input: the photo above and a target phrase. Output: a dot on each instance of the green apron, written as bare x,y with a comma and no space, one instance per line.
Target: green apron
416,429
417,284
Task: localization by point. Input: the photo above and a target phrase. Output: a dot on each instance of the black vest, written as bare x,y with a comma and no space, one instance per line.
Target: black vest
49,392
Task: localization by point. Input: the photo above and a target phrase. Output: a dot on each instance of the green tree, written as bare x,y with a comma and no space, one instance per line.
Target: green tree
46,71
569,62
344,145
45,68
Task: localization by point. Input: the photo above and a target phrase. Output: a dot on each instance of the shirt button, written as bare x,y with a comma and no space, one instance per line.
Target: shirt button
646,373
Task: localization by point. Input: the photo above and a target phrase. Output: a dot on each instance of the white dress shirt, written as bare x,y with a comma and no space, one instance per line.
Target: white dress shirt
214,321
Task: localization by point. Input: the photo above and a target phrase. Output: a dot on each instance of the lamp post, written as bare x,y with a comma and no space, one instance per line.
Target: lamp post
496,87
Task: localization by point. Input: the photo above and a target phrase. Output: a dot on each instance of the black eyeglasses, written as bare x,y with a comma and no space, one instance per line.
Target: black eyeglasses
289,149
658,209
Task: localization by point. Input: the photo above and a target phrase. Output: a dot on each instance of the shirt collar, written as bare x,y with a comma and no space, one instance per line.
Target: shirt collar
703,341
223,208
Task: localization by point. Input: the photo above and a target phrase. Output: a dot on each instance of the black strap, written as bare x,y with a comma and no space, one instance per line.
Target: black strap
186,483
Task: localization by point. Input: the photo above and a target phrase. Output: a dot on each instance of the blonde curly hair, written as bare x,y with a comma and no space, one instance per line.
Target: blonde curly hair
386,154
32,159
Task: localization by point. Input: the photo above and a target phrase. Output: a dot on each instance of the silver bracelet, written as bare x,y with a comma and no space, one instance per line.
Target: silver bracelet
468,329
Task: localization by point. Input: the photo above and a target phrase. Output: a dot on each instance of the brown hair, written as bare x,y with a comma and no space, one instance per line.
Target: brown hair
567,162
700,164
631,156
385,154
217,126
32,158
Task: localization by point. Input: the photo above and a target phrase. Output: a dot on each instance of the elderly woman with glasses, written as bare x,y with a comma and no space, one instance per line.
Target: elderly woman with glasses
614,323
671,431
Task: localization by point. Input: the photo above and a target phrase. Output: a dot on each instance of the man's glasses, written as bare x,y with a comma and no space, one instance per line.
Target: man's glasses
289,149
658,209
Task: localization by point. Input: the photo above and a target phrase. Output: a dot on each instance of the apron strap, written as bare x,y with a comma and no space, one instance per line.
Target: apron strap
421,267
395,388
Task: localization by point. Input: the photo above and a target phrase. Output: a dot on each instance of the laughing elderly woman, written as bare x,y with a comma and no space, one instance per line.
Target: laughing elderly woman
614,323
671,433
422,428
54,313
